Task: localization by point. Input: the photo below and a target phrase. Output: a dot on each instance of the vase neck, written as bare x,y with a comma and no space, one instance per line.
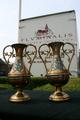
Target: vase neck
56,46
19,49
57,63
56,50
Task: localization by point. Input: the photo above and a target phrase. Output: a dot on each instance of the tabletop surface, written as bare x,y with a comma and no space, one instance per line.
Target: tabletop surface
39,107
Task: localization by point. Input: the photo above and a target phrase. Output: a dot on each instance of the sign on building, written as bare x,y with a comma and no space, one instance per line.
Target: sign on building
46,29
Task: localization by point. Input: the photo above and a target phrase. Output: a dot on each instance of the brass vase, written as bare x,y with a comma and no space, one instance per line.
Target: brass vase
58,75
18,76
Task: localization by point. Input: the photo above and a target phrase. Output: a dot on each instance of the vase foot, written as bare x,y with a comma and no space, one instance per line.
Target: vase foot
20,97
59,96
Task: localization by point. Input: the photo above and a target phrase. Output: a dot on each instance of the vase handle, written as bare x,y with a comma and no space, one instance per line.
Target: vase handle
46,53
8,54
68,52
28,53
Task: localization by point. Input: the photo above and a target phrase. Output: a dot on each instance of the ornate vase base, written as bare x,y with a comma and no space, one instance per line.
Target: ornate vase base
59,96
19,97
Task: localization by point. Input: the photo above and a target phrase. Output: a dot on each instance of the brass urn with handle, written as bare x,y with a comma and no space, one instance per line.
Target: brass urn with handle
19,75
58,75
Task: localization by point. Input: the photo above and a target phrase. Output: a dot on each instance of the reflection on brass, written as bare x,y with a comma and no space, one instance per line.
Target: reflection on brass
19,76
57,75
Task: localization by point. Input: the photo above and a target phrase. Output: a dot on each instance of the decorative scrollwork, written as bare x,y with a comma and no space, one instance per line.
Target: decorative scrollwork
69,52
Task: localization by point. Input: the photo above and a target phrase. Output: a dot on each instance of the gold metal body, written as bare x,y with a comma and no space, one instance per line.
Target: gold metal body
57,75
19,76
